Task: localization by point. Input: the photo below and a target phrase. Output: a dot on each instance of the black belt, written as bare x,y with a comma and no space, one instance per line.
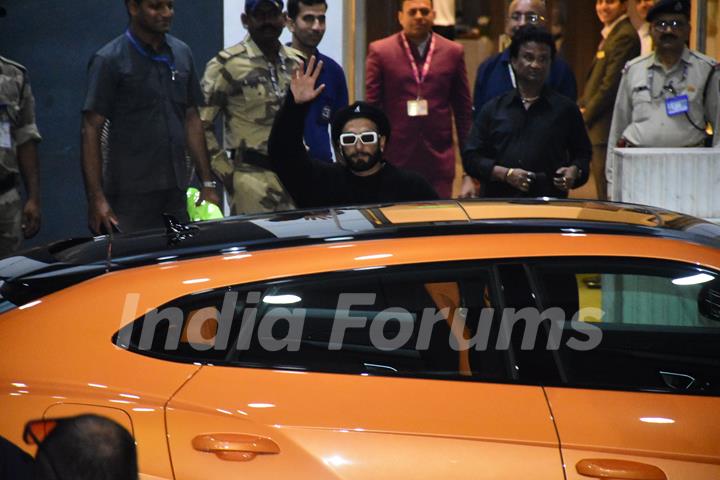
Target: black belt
8,182
252,157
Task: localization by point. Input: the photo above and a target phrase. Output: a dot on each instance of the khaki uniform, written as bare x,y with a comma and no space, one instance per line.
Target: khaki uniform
17,127
640,116
241,84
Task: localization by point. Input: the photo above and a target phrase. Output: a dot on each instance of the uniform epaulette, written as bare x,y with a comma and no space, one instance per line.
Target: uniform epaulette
709,60
637,60
14,64
293,52
230,52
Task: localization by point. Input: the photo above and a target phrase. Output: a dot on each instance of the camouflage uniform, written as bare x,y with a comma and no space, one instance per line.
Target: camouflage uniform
249,91
17,127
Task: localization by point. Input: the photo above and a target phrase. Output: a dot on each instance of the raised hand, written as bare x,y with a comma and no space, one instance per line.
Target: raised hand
303,82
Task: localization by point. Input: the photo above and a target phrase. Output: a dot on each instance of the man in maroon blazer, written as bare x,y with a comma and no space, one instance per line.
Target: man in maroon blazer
419,79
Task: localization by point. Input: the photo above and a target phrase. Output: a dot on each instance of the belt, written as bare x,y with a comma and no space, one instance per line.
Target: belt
251,157
8,182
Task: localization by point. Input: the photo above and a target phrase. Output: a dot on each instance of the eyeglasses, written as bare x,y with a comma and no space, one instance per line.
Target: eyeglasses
366,138
662,25
529,17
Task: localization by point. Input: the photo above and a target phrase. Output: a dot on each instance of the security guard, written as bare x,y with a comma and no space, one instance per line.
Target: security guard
18,158
667,98
247,83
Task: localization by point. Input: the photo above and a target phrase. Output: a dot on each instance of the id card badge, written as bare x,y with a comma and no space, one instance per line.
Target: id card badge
677,105
417,108
5,136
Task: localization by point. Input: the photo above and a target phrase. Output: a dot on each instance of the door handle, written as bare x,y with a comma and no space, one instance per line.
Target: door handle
612,469
234,447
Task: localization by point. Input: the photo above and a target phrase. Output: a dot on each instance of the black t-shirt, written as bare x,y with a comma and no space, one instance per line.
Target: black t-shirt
316,184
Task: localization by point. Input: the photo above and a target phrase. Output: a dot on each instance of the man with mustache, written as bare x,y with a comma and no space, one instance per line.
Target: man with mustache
667,98
359,135
307,22
247,84
530,141
144,84
419,79
494,76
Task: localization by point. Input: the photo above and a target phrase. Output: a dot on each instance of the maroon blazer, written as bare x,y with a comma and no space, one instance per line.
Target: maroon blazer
422,144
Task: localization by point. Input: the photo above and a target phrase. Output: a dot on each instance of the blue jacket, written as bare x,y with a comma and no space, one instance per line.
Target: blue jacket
493,79
333,98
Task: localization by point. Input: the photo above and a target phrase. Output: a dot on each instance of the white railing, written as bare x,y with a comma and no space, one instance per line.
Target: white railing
685,180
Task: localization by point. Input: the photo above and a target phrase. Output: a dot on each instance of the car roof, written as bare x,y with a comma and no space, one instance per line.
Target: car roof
43,270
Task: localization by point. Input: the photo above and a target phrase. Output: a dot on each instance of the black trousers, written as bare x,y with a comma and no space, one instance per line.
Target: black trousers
144,211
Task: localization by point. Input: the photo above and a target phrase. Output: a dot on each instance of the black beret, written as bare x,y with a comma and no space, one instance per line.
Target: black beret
669,6
360,110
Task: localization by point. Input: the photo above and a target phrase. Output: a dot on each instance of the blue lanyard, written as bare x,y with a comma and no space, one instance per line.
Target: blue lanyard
155,58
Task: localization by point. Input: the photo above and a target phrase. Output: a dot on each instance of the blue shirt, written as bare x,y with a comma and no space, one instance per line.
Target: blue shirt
493,79
332,99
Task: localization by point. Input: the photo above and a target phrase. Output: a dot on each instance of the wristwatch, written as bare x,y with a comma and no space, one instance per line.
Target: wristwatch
209,184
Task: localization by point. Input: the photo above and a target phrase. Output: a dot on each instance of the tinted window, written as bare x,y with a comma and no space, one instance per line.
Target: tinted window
419,321
656,322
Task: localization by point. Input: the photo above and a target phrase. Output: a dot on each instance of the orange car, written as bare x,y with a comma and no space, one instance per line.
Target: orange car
449,340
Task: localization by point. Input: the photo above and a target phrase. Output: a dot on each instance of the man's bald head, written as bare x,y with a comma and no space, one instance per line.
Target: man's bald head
525,12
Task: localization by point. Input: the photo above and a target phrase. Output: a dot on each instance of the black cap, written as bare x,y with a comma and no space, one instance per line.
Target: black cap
360,110
669,6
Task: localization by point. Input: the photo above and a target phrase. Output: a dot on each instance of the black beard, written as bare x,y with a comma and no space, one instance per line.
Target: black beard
365,166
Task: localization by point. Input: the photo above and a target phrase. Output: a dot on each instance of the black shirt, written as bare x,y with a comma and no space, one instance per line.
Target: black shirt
312,183
548,136
146,104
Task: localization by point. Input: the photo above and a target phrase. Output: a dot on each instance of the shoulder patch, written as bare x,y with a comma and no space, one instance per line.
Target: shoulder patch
224,55
704,58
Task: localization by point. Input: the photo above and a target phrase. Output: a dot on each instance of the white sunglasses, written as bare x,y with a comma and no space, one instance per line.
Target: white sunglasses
366,138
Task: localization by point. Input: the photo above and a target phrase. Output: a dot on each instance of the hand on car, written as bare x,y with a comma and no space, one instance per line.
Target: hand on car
101,218
302,84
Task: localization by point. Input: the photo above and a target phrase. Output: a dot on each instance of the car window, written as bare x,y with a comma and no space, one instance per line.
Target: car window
429,321
657,323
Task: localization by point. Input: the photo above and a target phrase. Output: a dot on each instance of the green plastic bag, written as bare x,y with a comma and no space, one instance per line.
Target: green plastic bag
206,210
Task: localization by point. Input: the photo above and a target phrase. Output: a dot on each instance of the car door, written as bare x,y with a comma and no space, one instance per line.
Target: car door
643,403
308,389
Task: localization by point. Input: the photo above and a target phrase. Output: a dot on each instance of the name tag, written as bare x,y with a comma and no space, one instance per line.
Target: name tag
677,105
5,137
417,108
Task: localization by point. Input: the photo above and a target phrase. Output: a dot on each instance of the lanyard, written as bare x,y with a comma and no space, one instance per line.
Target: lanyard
155,58
274,79
426,66
651,81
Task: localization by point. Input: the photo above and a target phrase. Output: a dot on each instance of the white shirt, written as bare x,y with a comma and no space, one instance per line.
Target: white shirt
646,42
444,12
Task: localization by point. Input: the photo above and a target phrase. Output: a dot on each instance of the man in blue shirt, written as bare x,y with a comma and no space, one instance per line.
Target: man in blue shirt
495,76
306,21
